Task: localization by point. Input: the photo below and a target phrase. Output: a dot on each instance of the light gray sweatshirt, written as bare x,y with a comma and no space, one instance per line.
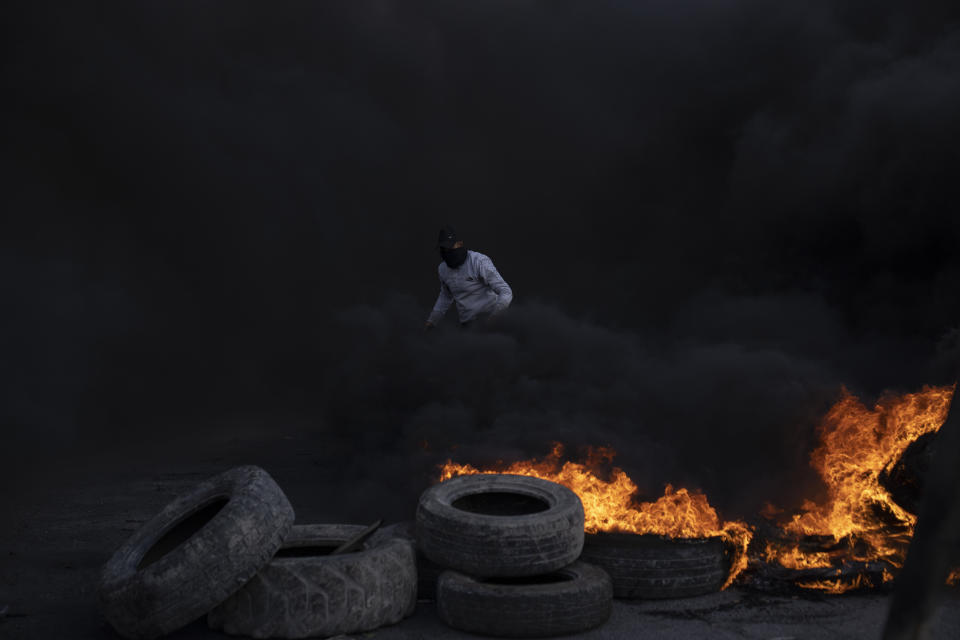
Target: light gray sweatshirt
475,286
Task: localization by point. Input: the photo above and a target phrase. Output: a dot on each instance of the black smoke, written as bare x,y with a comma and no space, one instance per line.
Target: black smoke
712,215
709,415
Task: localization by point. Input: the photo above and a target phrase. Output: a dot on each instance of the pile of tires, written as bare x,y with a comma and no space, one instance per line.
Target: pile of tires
502,555
511,545
229,548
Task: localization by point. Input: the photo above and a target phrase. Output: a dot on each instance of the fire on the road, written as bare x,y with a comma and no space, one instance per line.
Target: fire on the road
859,516
858,521
611,505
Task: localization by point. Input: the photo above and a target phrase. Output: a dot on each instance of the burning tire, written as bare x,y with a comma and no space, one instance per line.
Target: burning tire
197,551
649,566
461,524
575,598
305,592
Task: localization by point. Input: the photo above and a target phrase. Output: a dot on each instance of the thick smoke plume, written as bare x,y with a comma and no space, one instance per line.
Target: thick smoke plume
716,416
713,214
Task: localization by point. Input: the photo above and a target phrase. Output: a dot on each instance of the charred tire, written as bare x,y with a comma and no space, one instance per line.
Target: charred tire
300,596
428,572
527,607
500,525
197,551
653,567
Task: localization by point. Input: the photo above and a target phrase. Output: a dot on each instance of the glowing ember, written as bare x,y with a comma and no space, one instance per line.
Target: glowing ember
857,445
609,505
792,558
954,578
834,586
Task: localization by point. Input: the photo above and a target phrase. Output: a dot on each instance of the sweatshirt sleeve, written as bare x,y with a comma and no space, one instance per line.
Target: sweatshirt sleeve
444,300
499,286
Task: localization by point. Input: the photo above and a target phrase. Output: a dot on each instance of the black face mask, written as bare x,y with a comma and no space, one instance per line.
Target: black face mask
454,257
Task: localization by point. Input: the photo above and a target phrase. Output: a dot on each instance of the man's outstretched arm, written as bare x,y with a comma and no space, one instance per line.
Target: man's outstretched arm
444,300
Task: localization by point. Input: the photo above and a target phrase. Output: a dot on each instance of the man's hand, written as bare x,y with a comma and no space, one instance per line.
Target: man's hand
428,326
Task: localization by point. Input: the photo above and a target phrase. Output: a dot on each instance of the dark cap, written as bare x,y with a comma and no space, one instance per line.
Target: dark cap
447,238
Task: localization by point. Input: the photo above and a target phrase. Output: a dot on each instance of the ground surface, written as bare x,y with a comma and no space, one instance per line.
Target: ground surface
62,523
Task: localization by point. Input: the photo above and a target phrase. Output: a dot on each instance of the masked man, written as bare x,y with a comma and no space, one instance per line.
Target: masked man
469,279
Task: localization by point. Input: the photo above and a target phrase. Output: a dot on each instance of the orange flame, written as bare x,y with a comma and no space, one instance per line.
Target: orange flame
857,445
609,505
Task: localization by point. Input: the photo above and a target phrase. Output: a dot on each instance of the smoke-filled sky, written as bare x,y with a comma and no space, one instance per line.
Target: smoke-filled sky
712,215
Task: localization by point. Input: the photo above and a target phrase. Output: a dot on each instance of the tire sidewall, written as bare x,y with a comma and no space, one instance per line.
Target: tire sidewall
214,561
488,545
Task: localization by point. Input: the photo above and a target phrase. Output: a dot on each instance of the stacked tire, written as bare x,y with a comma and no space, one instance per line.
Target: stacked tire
229,547
304,592
511,544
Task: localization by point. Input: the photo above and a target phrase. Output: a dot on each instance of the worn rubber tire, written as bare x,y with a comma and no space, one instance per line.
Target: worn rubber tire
211,553
526,610
653,567
323,595
428,572
496,545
